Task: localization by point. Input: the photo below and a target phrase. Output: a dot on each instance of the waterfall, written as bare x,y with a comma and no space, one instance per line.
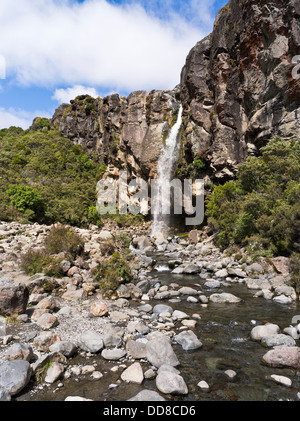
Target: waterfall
165,170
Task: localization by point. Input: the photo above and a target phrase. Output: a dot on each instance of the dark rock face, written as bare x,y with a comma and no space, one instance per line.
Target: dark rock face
13,297
237,87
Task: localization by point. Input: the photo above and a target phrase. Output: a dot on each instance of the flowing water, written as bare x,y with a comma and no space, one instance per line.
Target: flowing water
224,330
165,170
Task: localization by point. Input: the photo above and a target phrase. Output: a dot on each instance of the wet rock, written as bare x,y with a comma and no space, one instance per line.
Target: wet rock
54,372
259,332
285,381
14,376
4,395
113,354
292,331
283,299
160,351
77,399
162,308
212,284
147,396
223,273
136,349
283,357
188,340
179,315
203,385
278,341
187,291
133,374
171,383
224,297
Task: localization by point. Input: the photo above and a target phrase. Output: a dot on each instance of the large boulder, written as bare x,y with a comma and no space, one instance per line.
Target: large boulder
283,357
14,376
169,382
13,297
259,332
160,351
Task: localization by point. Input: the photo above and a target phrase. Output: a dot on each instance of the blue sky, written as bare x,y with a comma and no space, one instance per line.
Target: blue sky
54,50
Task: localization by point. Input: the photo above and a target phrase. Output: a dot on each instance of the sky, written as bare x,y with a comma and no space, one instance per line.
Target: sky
53,50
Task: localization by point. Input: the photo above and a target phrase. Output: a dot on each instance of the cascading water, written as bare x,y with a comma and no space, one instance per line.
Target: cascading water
167,159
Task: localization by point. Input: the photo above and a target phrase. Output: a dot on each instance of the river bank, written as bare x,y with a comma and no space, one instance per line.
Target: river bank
185,328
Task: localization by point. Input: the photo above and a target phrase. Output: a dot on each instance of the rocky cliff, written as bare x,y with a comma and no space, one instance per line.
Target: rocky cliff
237,87
237,90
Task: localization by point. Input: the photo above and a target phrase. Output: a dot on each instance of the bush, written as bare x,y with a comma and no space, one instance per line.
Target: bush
27,200
111,272
45,163
62,239
261,209
295,269
38,261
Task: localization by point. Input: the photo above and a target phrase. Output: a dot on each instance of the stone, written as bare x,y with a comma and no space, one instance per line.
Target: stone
45,340
283,299
187,291
14,376
88,369
133,374
162,308
117,316
203,385
224,297
78,294
259,332
68,349
54,372
112,340
188,340
137,350
292,331
160,351
48,303
97,375
191,324
285,381
13,297
47,360
283,357
4,395
230,373
47,321
105,235
147,396
91,341
221,273
98,309
212,284
147,308
191,269
19,352
278,341
167,367
150,374
179,315
171,383
77,399
113,354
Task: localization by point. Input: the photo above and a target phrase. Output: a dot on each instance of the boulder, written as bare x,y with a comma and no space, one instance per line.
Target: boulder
223,298
91,342
283,357
171,383
259,332
14,376
13,297
19,352
160,351
188,340
133,374
147,396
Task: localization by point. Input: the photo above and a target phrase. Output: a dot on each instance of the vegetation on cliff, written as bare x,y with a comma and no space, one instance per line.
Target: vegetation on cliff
261,209
45,178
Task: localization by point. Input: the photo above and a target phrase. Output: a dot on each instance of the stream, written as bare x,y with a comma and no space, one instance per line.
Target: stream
224,330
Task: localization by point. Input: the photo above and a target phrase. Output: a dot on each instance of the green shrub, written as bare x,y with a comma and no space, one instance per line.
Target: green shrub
261,209
39,261
50,165
111,272
295,269
27,200
62,239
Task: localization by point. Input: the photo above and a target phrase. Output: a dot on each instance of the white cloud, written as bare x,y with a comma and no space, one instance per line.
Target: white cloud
65,95
19,118
95,43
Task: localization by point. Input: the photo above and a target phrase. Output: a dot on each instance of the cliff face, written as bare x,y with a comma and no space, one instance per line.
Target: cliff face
237,87
237,91
124,133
